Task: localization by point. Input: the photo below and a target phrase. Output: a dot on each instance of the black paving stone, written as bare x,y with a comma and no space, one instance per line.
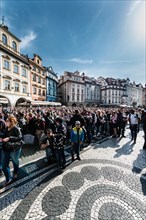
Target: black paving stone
108,191
112,174
112,211
73,180
90,173
56,201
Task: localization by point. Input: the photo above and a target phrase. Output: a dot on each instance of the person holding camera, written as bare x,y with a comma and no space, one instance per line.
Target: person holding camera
48,143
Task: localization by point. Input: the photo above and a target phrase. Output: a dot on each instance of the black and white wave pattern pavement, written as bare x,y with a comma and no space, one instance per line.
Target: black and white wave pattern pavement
89,189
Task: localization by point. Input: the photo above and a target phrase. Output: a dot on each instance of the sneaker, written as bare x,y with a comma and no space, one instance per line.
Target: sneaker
78,158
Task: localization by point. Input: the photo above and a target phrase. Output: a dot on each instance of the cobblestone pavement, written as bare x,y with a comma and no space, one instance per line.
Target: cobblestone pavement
109,183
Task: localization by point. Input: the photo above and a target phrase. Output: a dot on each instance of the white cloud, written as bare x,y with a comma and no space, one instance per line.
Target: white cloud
26,40
116,61
81,61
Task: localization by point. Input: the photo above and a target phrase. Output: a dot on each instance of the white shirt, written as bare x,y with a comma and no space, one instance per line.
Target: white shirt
133,119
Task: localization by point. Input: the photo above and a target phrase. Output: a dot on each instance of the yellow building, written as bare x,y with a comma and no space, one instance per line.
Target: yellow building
14,69
37,79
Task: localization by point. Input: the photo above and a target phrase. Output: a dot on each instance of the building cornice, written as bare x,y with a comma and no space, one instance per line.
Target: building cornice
14,55
72,82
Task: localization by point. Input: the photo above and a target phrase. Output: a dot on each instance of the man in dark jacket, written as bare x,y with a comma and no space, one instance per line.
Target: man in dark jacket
143,120
77,117
60,142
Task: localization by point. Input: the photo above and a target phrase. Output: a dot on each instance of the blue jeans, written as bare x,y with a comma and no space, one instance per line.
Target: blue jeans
6,156
60,155
133,129
75,150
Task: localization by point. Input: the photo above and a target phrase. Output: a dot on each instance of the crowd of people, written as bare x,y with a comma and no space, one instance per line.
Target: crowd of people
55,127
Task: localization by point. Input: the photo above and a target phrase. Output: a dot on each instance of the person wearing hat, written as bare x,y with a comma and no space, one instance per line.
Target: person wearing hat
143,120
77,138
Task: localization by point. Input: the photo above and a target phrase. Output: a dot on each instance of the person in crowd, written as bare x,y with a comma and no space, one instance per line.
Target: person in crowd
2,130
114,123
77,117
121,123
143,120
48,143
133,120
60,137
11,149
88,126
40,127
77,138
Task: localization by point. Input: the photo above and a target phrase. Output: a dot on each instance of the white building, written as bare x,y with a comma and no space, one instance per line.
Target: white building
112,91
77,89
120,92
71,89
92,91
14,69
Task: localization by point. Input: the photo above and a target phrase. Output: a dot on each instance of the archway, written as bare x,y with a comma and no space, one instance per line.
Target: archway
22,102
4,101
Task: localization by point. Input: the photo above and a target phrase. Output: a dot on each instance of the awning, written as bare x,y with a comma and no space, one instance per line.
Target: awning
45,103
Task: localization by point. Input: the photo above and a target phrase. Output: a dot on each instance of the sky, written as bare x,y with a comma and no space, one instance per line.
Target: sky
99,38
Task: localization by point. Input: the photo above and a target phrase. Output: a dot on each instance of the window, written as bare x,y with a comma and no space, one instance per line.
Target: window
39,80
34,78
78,98
15,68
24,89
82,98
73,90
78,90
24,72
43,82
73,97
34,68
4,39
44,93
16,87
7,84
39,92
6,64
34,90
14,45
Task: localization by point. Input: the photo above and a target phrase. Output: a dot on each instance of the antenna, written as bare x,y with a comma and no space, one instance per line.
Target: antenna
3,19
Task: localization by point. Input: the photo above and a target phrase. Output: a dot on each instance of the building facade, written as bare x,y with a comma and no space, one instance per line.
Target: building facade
144,97
37,79
77,89
51,85
14,69
92,91
120,92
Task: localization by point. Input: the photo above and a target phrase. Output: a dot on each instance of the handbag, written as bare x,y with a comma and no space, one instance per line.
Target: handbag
13,146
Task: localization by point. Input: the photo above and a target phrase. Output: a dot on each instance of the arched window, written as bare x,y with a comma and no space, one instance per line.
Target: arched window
14,45
4,39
